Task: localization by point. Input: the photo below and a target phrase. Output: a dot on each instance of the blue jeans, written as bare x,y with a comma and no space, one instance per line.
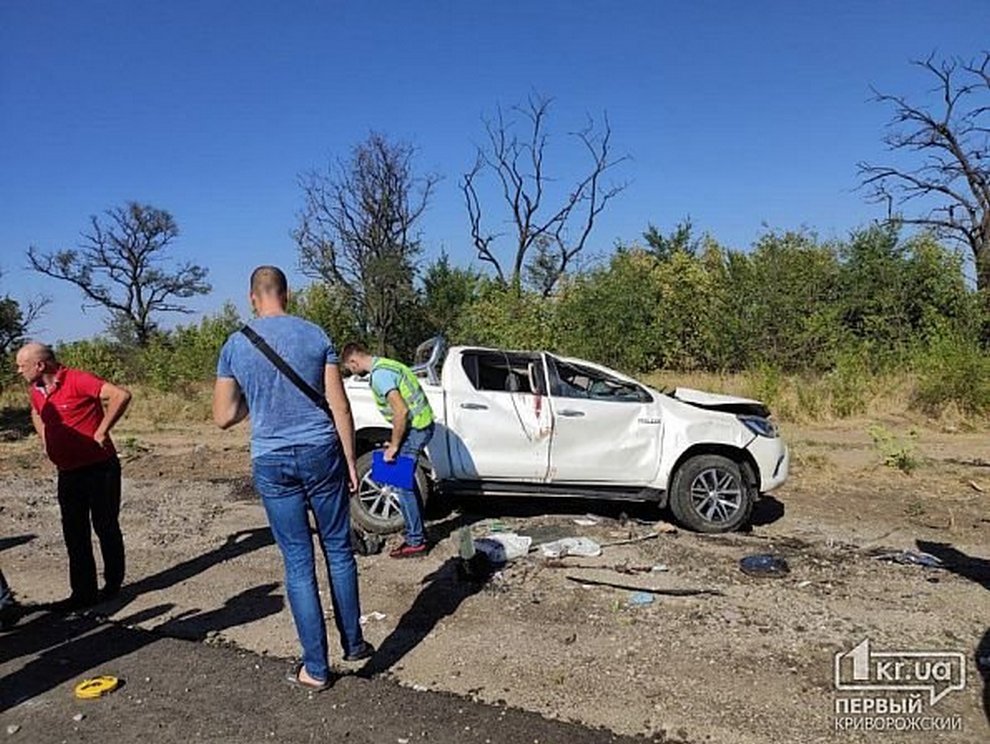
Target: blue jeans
293,481
413,444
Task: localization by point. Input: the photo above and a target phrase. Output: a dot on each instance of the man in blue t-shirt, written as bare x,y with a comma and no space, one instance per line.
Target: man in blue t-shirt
300,462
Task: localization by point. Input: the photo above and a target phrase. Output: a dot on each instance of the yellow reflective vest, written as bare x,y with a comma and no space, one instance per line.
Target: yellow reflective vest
420,413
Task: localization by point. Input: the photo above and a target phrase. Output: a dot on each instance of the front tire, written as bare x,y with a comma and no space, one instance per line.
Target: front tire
709,494
375,507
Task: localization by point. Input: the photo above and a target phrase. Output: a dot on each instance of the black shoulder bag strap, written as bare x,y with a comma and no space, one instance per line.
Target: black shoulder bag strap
285,369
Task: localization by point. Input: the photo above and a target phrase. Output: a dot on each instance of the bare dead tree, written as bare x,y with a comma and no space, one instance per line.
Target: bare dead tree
950,179
119,266
357,234
546,238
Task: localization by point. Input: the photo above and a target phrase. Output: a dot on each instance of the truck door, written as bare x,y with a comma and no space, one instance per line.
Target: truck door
498,419
606,429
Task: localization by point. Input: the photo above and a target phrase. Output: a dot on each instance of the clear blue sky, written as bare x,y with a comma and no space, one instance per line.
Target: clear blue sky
739,114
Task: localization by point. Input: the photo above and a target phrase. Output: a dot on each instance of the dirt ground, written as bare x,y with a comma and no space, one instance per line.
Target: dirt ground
750,660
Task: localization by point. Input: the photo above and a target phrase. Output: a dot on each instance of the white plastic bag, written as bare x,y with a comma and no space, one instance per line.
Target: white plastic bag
580,546
503,547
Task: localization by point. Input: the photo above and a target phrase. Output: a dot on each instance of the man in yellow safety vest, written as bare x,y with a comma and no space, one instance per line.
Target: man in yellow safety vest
402,402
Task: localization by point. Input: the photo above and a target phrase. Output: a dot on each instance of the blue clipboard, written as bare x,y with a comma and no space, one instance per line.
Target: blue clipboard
400,473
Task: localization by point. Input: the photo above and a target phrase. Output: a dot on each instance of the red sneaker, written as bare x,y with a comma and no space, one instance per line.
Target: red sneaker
408,551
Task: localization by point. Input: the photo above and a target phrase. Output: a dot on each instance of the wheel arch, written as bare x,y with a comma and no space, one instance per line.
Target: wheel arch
369,438
740,456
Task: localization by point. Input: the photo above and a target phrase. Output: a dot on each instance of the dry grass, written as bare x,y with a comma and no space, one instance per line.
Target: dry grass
822,399
161,410
793,399
149,407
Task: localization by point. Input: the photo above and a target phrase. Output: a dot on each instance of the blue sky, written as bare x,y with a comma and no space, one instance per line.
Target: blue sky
741,115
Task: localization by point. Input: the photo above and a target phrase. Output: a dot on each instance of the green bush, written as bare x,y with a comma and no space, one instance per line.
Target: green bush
952,370
896,452
189,353
332,310
507,318
101,357
849,383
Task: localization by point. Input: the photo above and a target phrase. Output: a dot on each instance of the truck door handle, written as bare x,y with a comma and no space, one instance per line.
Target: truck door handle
474,406
570,413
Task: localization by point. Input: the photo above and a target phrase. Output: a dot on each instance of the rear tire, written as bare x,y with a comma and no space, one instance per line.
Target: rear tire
709,494
375,508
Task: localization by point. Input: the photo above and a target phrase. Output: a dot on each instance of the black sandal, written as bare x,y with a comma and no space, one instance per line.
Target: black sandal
293,679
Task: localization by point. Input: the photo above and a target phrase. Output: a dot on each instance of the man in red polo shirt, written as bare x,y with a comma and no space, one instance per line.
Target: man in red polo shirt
67,409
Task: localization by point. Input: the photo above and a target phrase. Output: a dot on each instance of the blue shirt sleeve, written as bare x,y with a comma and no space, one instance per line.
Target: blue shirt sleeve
331,351
384,381
223,363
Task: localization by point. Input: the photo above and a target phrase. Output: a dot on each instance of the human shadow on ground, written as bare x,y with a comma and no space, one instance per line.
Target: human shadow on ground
15,423
6,543
237,544
766,510
441,595
68,646
976,570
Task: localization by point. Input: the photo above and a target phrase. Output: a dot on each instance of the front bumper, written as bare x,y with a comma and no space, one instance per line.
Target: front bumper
773,460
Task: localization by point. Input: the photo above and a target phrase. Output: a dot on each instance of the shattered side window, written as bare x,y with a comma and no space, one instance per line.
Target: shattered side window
576,381
501,372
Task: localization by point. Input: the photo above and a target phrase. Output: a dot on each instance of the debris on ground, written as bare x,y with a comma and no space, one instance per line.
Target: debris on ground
638,599
663,592
366,543
544,533
664,528
629,541
13,729
910,558
623,568
578,546
585,521
764,566
473,565
503,547
373,615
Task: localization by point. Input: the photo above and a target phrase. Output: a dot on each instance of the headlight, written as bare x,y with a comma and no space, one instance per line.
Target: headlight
760,426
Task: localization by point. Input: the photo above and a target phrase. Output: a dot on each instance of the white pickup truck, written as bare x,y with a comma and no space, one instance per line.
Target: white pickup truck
530,423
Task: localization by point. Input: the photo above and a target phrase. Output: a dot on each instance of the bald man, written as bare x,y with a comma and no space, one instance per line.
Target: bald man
73,412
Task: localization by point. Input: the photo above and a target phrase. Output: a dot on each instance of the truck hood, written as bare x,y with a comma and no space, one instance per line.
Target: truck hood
723,403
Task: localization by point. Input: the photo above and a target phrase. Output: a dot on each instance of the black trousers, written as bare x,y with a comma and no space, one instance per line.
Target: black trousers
91,495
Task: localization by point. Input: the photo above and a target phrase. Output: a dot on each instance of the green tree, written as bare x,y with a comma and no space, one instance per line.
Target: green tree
447,291
329,307
610,314
681,240
782,303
